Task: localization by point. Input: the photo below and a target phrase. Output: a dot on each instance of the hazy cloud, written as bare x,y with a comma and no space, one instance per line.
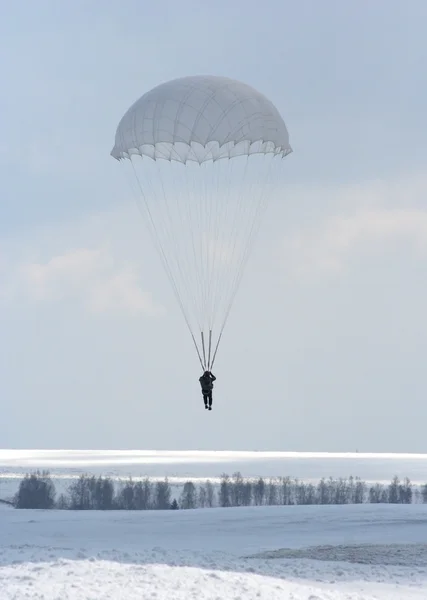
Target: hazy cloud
89,276
365,219
327,246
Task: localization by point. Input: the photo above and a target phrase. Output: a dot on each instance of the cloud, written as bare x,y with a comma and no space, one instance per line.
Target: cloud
329,226
327,246
90,277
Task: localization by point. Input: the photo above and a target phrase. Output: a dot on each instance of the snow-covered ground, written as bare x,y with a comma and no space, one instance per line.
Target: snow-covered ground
361,552
179,466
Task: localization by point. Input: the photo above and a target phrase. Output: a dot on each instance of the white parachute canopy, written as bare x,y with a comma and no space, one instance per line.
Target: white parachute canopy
204,153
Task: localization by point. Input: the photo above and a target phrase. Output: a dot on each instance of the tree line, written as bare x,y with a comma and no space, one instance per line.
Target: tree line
37,490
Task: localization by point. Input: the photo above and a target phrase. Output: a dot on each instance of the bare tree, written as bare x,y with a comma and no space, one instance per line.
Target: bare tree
286,491
89,493
91,484
323,492
417,496
359,491
80,494
310,494
272,496
384,495
224,491
210,494
247,493
138,496
300,492
351,490
237,490
259,492
162,495
188,496
125,499
36,491
341,491
378,494
63,502
331,484
202,499
405,491
393,491
146,494
104,493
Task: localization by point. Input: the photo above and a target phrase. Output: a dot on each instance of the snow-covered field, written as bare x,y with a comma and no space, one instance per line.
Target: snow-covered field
200,465
361,552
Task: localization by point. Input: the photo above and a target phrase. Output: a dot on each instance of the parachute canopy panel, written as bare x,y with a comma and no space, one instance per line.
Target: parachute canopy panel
201,118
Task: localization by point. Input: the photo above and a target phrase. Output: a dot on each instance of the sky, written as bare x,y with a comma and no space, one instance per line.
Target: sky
326,342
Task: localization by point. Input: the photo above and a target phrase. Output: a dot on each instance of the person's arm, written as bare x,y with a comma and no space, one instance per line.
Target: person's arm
213,377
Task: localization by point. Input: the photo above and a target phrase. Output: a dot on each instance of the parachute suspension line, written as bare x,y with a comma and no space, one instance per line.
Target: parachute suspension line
203,219
210,211
262,205
251,222
210,347
197,350
204,351
164,223
238,215
237,223
216,349
172,229
261,208
166,265
243,216
215,252
221,251
195,222
162,255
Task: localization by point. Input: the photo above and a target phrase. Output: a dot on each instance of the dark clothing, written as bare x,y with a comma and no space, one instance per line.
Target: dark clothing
206,383
207,398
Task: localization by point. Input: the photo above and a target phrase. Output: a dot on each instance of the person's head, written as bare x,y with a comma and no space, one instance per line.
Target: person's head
206,374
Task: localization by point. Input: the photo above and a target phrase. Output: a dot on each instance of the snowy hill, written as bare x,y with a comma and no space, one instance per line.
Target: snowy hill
305,553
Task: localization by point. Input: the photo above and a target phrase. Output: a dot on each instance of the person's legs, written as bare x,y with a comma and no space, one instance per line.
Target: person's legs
205,399
210,400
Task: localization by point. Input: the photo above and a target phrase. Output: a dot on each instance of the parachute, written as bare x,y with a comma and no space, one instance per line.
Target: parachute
204,154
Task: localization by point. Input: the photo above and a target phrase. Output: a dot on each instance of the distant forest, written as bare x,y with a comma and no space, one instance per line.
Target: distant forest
37,490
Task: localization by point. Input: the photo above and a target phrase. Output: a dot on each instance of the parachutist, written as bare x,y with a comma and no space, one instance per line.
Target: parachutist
206,382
